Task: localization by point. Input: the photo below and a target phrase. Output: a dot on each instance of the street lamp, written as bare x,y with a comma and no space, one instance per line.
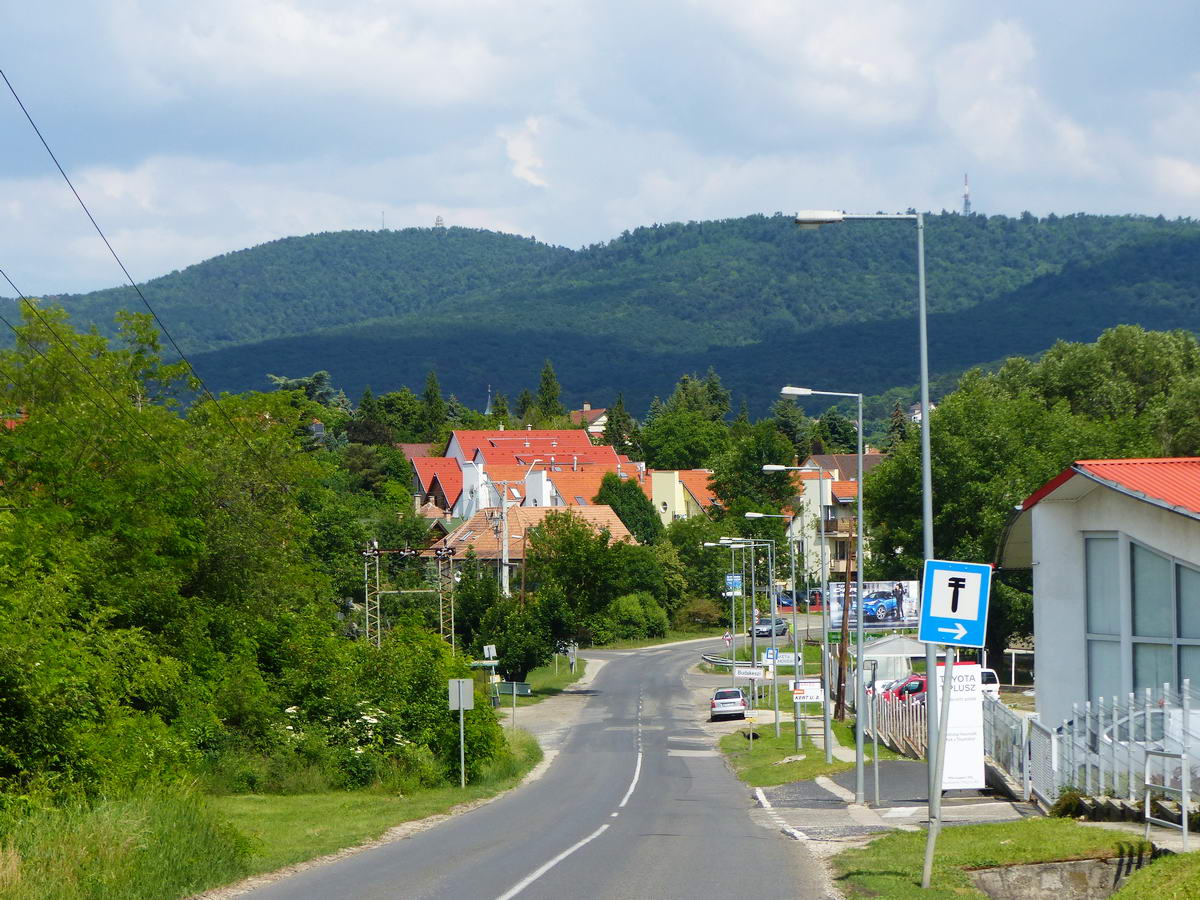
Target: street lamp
814,218
860,686
753,544
732,609
797,659
825,623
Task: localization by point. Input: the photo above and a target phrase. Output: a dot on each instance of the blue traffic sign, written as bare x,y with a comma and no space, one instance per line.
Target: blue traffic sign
954,603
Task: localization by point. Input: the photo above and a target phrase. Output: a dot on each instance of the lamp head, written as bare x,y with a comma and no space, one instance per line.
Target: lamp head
754,515
771,467
790,391
815,218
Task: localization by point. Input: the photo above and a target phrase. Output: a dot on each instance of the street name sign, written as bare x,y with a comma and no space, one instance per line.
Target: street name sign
807,690
954,603
754,673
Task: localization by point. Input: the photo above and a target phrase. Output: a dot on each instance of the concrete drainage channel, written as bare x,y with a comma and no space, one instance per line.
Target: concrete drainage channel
1078,879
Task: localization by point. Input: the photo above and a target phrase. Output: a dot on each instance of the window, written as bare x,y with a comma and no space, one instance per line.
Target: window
1103,585
1104,669
1152,665
1187,593
1150,574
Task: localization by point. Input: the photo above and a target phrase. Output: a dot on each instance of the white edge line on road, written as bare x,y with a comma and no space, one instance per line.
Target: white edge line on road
542,870
762,798
637,771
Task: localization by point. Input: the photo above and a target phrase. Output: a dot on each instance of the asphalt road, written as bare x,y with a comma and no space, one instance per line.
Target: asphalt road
636,804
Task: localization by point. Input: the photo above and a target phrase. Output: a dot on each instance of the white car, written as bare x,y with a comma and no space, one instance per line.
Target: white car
989,683
728,702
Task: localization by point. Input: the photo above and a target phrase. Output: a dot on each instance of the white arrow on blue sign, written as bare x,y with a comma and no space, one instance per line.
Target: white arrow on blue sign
954,603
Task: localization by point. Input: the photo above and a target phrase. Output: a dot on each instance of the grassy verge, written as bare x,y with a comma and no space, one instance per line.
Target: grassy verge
545,682
157,843
890,866
293,828
1169,878
670,637
758,762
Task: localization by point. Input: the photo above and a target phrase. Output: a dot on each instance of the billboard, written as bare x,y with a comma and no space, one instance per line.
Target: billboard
889,604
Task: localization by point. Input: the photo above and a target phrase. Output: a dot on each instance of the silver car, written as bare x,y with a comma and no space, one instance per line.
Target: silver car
728,702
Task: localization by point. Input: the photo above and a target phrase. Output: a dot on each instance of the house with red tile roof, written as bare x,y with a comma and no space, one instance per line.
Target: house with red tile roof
437,481
525,442
483,533
1114,548
593,420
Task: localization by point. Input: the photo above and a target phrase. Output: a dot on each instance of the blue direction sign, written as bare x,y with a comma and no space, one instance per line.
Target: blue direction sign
954,603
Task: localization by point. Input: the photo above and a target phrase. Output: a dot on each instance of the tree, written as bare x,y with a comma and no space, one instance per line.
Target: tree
405,414
368,425
897,431
838,434
433,407
738,475
547,404
619,426
524,404
790,421
523,642
684,439
631,505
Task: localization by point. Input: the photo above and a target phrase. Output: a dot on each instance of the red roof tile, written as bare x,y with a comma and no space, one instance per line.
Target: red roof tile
482,530
696,481
446,472
521,440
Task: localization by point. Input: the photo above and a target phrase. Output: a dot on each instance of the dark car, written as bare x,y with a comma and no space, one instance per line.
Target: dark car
879,605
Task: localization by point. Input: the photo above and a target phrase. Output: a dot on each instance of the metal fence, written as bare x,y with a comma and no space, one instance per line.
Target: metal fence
901,725
1117,747
1006,740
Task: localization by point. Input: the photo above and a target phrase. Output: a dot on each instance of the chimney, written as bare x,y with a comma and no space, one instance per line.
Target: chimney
575,463
586,406
529,428
501,426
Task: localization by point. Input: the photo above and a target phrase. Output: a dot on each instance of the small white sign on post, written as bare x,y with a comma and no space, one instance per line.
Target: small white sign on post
462,697
808,690
462,693
754,673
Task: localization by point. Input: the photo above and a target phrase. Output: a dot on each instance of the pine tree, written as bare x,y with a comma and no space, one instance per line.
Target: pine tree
433,407
619,427
547,404
524,403
897,431
368,425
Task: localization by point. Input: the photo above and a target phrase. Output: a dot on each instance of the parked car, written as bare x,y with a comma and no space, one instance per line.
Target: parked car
814,600
990,683
912,687
766,626
727,702
878,605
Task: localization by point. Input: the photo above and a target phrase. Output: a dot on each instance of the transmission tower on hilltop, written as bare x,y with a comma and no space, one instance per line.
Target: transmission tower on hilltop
966,196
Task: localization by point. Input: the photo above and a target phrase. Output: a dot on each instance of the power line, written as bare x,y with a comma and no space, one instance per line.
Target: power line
162,326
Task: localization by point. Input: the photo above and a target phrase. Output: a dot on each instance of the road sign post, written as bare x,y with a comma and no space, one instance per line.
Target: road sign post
462,698
954,606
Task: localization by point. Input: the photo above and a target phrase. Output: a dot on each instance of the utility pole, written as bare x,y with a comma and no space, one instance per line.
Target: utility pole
844,649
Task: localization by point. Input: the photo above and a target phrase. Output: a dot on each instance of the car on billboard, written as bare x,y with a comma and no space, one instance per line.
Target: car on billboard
879,605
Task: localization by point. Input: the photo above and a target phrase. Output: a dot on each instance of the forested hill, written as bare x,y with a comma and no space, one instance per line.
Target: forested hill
758,299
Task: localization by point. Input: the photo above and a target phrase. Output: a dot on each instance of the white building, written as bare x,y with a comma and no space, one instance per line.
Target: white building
1114,546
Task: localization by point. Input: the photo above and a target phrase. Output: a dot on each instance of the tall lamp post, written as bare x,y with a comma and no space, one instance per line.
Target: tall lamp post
753,544
860,696
732,609
815,218
824,581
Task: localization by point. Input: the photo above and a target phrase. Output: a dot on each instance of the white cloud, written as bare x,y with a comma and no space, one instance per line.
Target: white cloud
520,147
988,102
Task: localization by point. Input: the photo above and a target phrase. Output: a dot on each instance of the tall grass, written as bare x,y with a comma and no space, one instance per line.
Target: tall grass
159,843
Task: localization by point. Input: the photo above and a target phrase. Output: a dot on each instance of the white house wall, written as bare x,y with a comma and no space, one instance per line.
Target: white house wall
1060,606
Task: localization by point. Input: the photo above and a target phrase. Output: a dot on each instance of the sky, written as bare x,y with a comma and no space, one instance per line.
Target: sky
196,128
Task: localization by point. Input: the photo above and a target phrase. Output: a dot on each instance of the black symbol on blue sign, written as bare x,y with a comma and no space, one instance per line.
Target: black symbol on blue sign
956,584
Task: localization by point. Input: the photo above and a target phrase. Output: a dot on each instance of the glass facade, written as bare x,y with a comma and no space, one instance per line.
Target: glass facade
1143,631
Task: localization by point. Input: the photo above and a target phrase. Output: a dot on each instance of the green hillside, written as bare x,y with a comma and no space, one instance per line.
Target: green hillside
761,301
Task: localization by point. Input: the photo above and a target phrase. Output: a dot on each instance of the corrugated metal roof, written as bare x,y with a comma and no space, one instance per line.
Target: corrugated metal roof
1171,482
